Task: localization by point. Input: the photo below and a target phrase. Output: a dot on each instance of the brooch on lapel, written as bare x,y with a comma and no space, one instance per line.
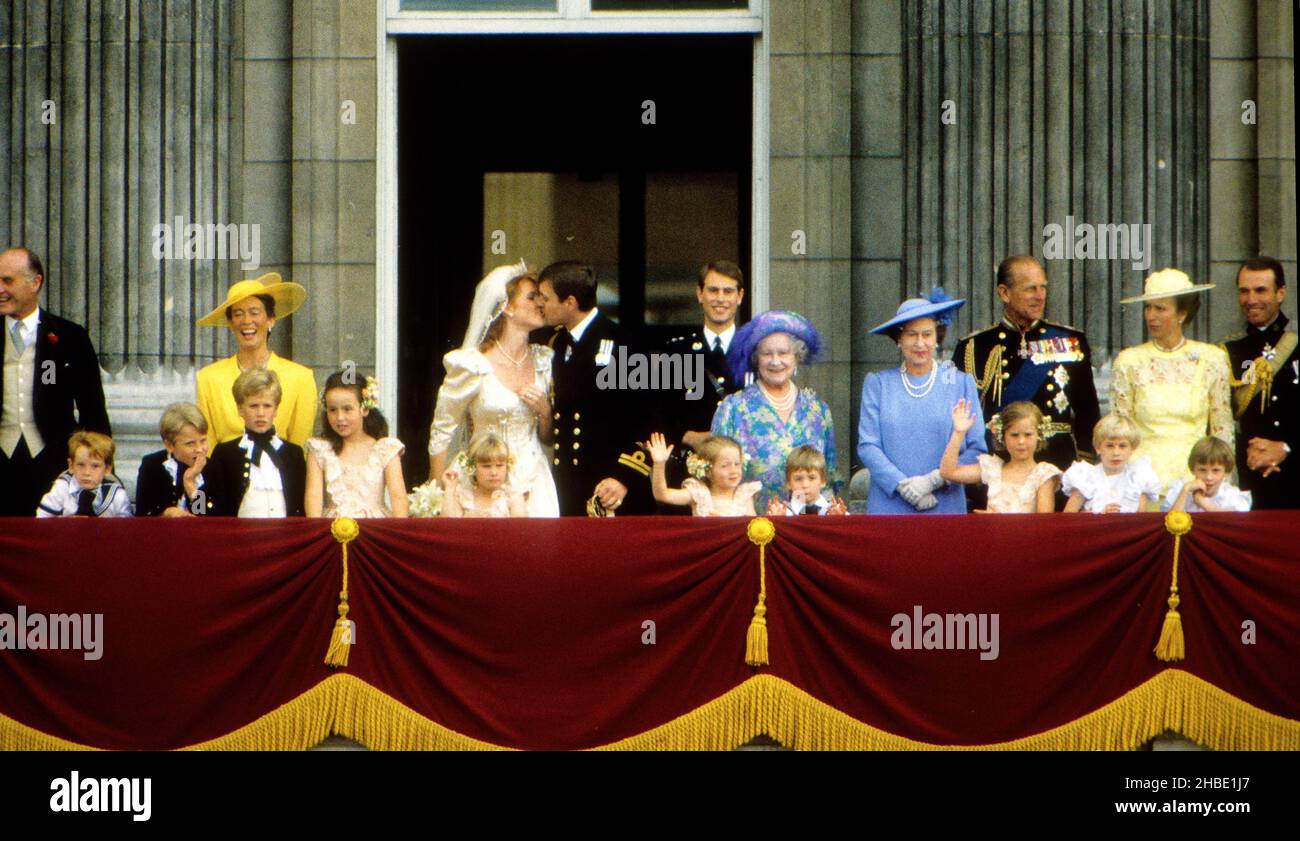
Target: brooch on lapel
606,353
52,338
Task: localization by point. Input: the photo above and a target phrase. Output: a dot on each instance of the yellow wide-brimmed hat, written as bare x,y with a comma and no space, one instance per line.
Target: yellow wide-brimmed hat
1167,283
288,297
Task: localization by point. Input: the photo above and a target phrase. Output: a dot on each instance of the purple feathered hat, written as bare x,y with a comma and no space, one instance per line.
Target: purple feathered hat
763,325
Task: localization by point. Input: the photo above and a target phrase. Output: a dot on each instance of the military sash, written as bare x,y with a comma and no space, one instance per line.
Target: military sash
1044,354
1258,377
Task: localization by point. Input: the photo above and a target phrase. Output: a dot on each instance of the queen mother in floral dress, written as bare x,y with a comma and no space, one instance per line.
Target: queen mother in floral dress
771,416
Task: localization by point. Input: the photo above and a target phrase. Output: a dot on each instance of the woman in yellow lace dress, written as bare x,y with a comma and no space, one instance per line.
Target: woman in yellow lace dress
1173,388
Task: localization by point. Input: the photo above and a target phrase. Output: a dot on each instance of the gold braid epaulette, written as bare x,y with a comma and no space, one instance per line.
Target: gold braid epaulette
1262,381
992,371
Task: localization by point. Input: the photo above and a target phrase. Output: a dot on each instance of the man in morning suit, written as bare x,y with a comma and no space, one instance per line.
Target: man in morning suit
597,457
1026,357
49,387
1266,388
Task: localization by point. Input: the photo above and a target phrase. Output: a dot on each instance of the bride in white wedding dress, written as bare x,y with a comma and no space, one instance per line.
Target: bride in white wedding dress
496,380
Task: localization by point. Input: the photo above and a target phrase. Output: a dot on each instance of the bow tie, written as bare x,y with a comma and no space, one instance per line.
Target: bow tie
261,444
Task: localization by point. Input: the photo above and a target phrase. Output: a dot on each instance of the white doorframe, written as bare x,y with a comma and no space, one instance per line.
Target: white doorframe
574,17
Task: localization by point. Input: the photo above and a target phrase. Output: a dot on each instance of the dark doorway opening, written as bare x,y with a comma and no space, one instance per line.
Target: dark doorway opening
630,152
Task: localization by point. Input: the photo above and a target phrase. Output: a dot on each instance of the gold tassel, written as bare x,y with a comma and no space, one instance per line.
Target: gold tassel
760,531
1170,646
345,530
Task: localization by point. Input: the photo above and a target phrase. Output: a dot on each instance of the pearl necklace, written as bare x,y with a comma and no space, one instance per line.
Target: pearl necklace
1173,349
518,363
924,388
783,405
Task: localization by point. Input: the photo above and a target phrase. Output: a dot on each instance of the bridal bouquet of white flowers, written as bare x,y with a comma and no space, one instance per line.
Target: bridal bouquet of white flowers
426,500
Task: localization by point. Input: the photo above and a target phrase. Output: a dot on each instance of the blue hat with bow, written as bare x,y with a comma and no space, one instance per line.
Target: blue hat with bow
937,306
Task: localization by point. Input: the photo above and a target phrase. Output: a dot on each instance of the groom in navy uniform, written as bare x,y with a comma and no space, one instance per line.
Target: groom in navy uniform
50,368
598,463
1266,388
1026,357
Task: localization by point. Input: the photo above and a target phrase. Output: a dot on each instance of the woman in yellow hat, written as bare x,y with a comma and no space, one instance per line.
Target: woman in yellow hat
250,311
1174,389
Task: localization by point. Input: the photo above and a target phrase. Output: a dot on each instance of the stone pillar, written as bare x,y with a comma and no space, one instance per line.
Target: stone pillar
877,165
1092,109
332,184
1252,147
116,117
811,186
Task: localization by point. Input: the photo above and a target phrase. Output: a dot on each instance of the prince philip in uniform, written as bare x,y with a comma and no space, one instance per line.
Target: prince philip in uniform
1026,357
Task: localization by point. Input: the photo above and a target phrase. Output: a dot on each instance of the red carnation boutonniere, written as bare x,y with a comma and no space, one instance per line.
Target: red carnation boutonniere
52,338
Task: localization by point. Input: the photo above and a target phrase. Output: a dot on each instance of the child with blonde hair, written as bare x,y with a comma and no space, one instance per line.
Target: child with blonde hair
478,485
1017,485
258,474
1211,462
714,488
170,479
1117,483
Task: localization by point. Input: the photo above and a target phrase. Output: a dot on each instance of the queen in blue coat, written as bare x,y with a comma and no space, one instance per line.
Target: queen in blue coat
906,416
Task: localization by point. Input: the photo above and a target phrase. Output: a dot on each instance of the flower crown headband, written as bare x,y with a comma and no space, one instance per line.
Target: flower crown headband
369,394
700,467
995,426
468,466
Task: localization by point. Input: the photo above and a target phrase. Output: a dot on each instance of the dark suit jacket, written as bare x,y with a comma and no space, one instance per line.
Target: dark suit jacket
225,478
597,430
1064,390
155,491
72,380
688,415
1277,420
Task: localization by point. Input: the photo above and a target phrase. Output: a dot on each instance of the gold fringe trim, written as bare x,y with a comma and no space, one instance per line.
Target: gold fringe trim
342,704
1172,700
346,706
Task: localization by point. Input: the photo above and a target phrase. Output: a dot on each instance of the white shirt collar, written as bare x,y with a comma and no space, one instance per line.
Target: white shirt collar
581,327
246,443
174,468
725,335
1266,327
75,488
29,323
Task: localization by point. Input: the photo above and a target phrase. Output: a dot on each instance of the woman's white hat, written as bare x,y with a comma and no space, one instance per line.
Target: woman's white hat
1167,283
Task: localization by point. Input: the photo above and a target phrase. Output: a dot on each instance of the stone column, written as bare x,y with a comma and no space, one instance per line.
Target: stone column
1252,147
811,187
1021,114
116,117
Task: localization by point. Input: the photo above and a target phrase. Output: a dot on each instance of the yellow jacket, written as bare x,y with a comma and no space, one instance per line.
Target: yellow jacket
294,418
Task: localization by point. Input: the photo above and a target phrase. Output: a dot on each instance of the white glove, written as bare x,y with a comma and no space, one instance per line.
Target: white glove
933,481
918,491
910,490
